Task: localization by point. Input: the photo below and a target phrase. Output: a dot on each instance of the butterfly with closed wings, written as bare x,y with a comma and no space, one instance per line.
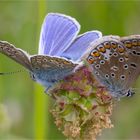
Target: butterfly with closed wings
115,62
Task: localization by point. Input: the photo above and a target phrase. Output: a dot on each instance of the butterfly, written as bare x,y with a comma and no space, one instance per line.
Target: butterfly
60,50
115,63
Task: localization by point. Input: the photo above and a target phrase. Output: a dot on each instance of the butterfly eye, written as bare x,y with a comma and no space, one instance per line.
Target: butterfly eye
130,93
32,76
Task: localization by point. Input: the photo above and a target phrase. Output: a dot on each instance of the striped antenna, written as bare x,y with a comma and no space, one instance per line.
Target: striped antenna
10,73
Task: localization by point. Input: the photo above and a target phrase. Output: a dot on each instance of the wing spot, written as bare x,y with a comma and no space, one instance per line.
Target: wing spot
102,62
127,44
125,66
101,48
95,53
114,45
122,77
113,75
44,60
97,66
90,59
120,49
133,65
106,76
115,54
121,59
96,72
107,45
110,54
105,58
114,68
134,52
134,42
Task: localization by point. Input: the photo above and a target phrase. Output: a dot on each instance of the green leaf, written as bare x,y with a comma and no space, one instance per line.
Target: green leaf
67,110
74,95
88,104
71,116
82,101
69,113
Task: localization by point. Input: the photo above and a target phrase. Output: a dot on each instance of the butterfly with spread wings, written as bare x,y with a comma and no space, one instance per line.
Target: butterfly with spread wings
60,50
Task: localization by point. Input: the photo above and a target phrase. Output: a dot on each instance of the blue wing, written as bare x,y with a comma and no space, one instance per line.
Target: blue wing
80,45
57,33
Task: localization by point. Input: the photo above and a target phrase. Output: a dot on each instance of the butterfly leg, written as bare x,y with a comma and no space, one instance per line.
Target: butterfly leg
78,67
47,90
50,87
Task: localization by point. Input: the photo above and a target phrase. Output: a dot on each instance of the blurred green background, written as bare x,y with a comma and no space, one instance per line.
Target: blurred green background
24,108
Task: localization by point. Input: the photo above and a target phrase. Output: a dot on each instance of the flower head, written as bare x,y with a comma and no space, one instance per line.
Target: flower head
82,107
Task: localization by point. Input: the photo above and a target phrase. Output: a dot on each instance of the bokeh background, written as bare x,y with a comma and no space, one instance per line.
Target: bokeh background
24,108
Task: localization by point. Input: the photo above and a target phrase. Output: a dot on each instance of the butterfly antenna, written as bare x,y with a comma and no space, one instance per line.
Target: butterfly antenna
10,73
136,89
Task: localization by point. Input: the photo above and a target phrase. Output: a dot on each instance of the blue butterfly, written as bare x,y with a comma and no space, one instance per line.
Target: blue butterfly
60,50
115,63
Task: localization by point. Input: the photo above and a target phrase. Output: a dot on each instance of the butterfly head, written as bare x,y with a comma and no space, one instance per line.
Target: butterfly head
130,93
122,93
32,76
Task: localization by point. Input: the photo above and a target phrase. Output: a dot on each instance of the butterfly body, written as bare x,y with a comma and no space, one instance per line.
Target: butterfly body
115,62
